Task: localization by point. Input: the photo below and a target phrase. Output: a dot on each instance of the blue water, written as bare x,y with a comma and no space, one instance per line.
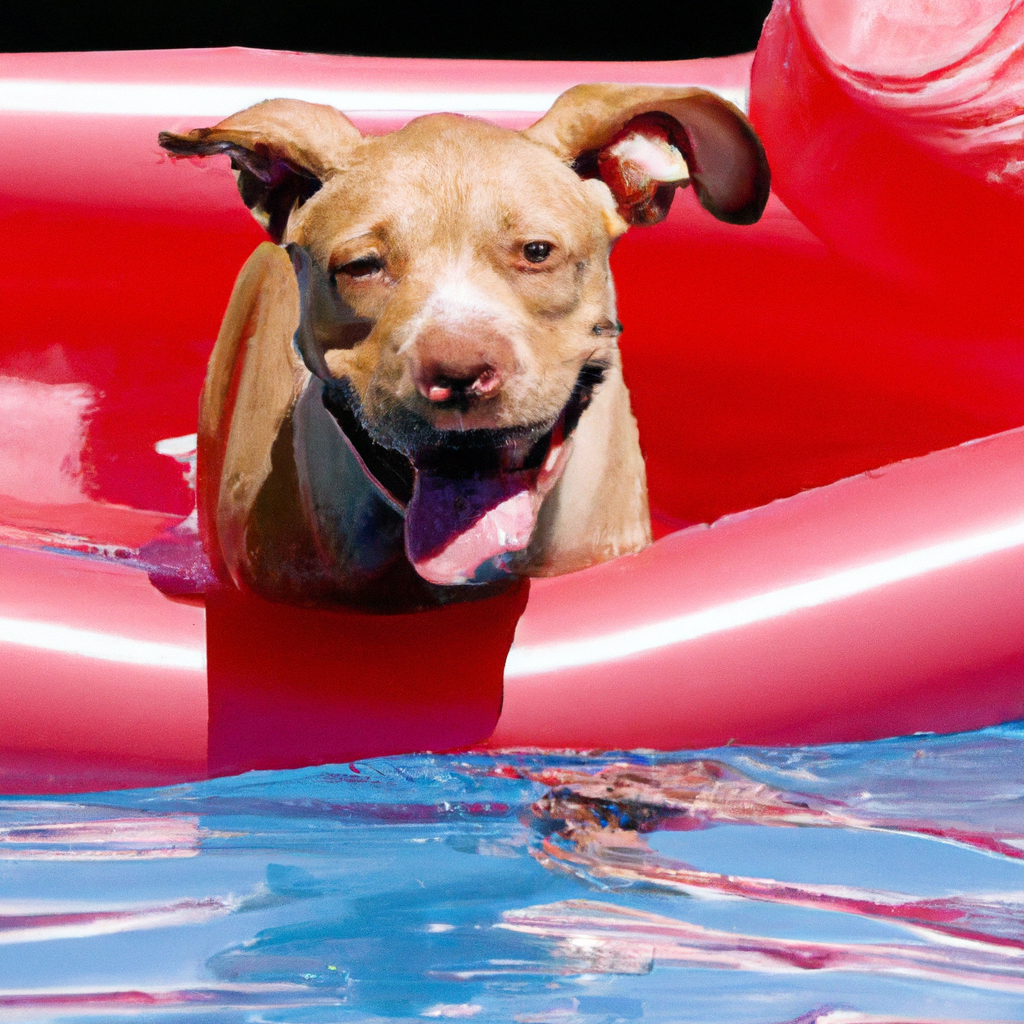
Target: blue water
397,889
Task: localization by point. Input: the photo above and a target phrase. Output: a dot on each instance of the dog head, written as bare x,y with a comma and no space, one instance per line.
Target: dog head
456,298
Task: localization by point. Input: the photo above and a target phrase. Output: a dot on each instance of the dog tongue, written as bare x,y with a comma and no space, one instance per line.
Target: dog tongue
454,526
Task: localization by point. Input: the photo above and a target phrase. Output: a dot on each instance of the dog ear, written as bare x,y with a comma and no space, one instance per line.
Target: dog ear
282,151
253,378
644,142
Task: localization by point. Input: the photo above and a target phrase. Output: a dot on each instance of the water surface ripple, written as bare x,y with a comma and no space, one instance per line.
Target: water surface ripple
856,884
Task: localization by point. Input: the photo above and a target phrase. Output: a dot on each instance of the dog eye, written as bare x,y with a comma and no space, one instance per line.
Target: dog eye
365,266
537,252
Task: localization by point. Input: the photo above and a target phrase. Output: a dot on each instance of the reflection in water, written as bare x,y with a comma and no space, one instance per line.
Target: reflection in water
860,884
604,817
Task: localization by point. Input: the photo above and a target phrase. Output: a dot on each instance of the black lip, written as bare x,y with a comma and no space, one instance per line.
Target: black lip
391,457
390,470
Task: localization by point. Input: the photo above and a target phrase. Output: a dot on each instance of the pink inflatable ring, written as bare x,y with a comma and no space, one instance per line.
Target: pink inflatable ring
829,404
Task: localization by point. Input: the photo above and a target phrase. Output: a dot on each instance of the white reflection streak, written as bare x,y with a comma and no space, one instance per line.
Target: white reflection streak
538,658
87,643
140,99
62,924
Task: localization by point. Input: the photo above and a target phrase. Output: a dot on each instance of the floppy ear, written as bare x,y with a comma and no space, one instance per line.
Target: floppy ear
644,142
253,379
282,151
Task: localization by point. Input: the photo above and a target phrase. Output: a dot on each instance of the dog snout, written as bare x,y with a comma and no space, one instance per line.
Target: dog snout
461,363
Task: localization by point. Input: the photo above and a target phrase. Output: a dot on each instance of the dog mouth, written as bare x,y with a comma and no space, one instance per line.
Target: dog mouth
470,498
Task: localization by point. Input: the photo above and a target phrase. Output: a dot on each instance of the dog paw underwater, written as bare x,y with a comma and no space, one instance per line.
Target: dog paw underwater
416,395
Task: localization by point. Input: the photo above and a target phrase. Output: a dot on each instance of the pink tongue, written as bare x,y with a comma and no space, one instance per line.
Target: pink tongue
452,527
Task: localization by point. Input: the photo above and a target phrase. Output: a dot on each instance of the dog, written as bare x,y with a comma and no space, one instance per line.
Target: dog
416,394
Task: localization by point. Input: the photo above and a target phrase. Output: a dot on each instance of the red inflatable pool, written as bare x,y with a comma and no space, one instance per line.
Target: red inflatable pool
836,390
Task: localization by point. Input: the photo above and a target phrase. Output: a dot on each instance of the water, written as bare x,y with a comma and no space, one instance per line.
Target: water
859,883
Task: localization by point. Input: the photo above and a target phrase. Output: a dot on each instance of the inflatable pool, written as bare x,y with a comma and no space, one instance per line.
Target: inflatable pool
829,403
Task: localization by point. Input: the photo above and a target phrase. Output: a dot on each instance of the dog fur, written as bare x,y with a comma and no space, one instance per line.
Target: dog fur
436,324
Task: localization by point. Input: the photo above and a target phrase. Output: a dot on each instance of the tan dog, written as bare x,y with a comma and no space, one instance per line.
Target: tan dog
422,388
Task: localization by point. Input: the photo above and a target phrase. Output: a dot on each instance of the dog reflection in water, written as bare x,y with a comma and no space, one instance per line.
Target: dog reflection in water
597,825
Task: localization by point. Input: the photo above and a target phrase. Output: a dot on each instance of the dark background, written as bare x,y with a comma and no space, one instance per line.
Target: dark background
527,29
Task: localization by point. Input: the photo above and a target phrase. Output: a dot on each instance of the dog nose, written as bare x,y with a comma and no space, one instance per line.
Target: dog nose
438,383
469,361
